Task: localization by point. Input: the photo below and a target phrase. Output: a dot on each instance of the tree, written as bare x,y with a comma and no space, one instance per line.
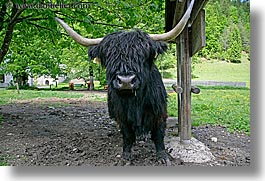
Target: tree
9,24
33,40
233,52
224,20
32,58
215,23
20,21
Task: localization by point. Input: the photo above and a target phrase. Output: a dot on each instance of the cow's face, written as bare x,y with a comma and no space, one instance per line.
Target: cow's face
128,58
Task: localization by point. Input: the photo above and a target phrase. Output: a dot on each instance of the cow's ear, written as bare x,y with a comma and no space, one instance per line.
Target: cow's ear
161,47
93,54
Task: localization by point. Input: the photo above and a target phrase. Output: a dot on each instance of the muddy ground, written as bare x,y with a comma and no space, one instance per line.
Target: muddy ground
75,132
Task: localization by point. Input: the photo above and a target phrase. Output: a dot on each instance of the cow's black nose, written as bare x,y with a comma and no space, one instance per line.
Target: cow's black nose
125,82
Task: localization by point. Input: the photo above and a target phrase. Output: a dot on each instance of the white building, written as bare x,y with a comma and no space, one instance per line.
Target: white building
48,80
7,80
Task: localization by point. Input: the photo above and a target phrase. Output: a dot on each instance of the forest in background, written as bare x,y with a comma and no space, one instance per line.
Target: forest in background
32,43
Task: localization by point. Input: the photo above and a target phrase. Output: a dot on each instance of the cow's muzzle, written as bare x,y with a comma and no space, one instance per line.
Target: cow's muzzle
125,82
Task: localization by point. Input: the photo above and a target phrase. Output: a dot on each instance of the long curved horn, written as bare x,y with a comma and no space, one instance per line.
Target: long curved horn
177,29
78,38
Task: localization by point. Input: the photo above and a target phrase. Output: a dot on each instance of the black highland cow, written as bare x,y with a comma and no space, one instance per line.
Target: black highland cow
136,94
137,98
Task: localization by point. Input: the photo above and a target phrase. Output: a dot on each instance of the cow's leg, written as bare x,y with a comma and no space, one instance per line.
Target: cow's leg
158,138
128,140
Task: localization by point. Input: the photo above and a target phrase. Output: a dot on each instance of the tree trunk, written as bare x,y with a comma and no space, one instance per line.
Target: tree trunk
91,80
9,31
6,43
91,85
2,14
22,79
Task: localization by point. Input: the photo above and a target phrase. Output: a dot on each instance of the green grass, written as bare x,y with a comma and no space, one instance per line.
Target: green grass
223,106
10,96
223,71
3,161
226,106
217,70
98,98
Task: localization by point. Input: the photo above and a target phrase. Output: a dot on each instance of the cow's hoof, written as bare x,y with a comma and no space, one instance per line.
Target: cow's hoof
164,161
127,163
162,158
127,158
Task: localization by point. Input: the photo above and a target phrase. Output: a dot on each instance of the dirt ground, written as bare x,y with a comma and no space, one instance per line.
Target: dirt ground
75,132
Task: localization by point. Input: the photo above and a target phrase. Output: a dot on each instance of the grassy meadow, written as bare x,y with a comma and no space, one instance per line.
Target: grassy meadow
223,71
218,106
11,96
226,106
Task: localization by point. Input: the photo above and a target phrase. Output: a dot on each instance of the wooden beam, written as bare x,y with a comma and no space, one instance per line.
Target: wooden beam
197,7
169,14
173,14
177,88
195,90
174,10
184,81
179,10
198,35
187,45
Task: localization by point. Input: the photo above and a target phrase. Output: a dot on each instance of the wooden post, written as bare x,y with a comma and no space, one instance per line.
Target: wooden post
177,88
195,90
91,85
189,42
91,80
184,81
179,53
17,88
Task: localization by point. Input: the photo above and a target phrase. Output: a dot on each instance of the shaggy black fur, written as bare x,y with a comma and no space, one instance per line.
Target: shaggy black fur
144,108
